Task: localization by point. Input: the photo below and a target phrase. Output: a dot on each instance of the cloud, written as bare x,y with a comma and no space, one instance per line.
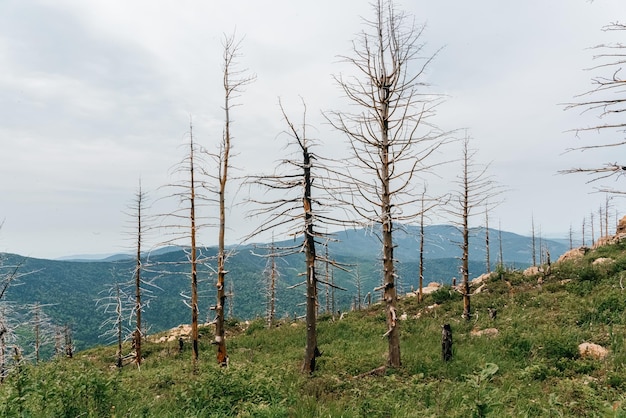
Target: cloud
94,95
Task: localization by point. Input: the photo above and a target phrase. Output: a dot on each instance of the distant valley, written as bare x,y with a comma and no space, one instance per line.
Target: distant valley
69,289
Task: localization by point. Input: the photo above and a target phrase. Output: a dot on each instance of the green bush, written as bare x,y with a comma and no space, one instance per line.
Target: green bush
445,294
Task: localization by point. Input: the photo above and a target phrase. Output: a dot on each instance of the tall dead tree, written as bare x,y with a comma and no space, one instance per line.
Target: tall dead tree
290,205
388,132
475,188
607,101
533,239
271,274
184,223
426,204
487,249
138,214
234,81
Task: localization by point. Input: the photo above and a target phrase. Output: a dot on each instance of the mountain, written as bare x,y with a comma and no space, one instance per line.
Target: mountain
70,289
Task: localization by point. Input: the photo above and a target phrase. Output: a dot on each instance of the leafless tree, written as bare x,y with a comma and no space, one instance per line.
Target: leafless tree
291,206
115,304
234,81
533,241
487,249
139,217
43,330
7,338
271,276
475,188
389,133
607,101
426,205
183,223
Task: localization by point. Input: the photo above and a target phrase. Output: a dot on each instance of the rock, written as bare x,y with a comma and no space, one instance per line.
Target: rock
592,350
621,226
480,289
480,279
602,260
487,332
573,254
531,271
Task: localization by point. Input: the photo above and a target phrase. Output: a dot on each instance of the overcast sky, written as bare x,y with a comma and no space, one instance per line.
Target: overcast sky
97,94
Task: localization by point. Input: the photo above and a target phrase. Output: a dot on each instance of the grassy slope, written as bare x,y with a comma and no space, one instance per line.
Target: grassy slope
531,368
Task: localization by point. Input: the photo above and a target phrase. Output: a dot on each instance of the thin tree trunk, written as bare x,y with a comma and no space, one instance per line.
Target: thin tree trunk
420,296
194,260
311,350
137,334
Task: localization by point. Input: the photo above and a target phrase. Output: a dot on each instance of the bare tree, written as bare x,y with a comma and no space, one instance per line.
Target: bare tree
234,80
42,328
183,224
533,241
138,214
115,305
271,274
390,136
487,250
607,101
475,188
296,210
426,205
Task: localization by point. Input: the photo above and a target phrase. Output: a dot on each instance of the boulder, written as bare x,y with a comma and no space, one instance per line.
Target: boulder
480,279
573,254
621,226
602,260
592,350
532,271
487,332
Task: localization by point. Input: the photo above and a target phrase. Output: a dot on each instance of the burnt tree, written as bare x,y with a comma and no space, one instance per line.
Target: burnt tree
389,134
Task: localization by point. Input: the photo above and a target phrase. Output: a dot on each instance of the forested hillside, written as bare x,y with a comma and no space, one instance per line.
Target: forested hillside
69,290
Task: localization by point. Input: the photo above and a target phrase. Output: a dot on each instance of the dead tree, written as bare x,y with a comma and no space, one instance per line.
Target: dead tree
607,101
291,206
389,134
183,223
234,81
487,249
271,275
426,205
42,328
140,226
475,188
116,304
446,342
533,245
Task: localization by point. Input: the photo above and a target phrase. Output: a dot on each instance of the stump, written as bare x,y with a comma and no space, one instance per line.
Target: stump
446,342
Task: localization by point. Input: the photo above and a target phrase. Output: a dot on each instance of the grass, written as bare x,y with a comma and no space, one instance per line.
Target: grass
530,368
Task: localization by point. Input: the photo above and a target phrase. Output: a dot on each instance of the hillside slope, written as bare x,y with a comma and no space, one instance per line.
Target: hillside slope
524,362
70,289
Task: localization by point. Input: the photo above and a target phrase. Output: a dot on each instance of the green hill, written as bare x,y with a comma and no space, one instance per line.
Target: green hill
69,289
528,364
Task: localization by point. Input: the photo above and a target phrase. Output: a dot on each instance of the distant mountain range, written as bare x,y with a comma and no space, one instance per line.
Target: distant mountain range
69,289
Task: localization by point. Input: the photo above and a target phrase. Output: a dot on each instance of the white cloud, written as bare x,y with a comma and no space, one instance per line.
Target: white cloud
95,94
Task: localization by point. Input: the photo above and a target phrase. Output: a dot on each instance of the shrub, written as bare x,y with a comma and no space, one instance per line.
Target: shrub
445,294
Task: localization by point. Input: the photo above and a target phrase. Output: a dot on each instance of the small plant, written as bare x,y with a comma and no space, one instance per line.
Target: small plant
477,380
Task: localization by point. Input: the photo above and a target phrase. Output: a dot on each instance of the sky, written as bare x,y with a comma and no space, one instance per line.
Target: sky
96,95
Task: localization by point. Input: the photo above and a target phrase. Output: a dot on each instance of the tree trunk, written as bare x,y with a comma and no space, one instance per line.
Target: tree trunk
194,263
311,351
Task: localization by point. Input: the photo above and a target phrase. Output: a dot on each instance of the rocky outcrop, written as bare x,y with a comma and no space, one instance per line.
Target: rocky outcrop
591,350
573,254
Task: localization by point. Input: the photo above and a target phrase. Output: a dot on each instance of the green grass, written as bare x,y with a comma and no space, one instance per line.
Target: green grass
531,368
